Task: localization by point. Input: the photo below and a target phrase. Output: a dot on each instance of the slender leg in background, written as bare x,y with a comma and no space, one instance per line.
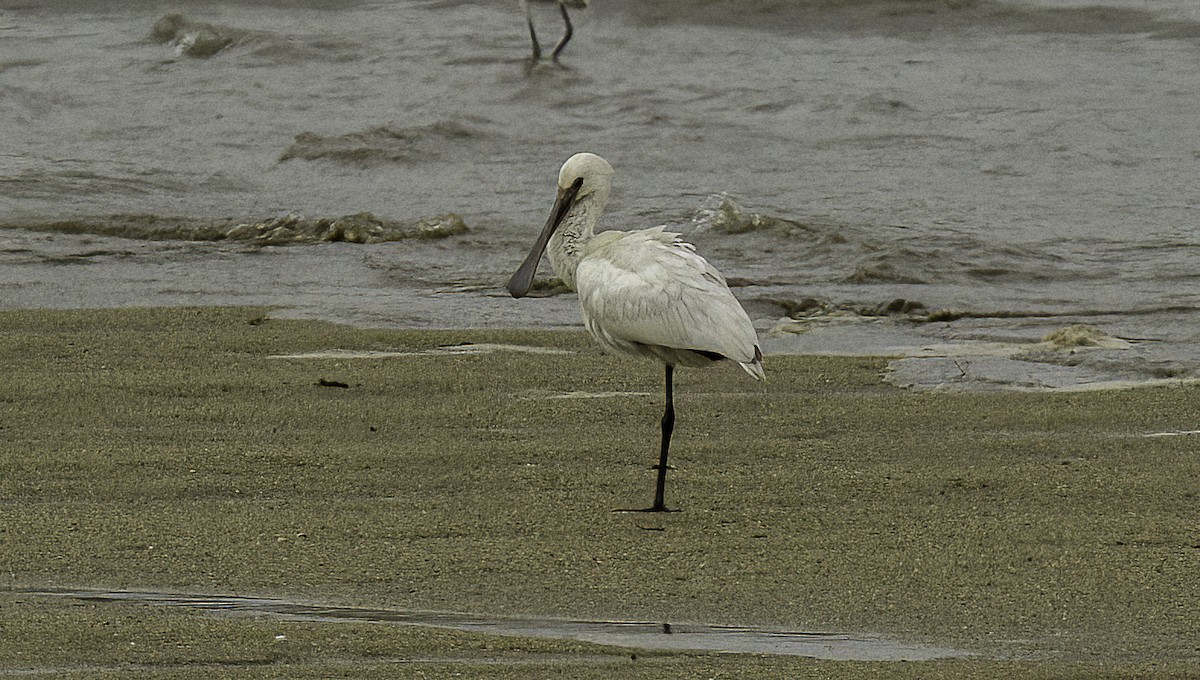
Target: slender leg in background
537,50
566,36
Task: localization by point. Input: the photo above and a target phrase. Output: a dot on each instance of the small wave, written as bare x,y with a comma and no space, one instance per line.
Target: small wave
196,38
10,64
808,310
795,314
955,258
35,101
68,178
86,257
815,309
724,214
358,228
863,254
384,144
885,269
202,40
828,250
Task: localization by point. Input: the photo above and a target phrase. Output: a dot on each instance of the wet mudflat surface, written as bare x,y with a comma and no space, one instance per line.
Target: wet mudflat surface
166,451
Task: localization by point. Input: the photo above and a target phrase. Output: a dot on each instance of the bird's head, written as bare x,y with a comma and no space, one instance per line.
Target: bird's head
591,171
584,177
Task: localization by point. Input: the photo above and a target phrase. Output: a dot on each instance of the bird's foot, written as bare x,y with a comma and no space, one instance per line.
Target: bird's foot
653,508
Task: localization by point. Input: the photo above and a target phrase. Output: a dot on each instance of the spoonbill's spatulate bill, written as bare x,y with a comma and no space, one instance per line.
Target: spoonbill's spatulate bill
562,8
645,293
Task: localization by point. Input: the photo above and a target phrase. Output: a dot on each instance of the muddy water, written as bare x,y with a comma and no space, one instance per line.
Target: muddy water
658,635
890,173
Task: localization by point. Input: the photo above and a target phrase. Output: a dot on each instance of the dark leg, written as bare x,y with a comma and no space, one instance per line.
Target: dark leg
537,50
668,425
566,36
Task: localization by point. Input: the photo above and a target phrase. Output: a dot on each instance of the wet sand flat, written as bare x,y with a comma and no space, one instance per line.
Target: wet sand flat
217,450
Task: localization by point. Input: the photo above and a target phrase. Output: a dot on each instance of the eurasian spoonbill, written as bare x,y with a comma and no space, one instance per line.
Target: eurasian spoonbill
645,293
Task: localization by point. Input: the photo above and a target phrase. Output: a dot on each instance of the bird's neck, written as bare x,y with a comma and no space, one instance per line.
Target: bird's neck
567,243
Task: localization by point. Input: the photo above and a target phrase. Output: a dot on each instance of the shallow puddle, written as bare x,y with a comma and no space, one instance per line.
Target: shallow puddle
443,351
589,395
636,634
1176,433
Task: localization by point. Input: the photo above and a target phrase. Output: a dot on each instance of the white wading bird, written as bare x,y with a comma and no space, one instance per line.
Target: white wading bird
645,293
562,8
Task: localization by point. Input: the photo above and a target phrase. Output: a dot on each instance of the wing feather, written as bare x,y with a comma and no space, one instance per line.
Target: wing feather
650,288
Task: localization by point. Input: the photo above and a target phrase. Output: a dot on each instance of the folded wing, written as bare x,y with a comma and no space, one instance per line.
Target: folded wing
651,289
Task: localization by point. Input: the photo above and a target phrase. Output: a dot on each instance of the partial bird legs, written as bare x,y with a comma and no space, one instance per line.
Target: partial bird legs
537,49
566,36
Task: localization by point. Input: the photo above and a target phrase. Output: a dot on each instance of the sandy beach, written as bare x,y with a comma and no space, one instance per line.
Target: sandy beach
222,451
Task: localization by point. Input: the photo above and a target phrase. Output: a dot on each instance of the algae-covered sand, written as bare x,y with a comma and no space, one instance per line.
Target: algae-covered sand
172,449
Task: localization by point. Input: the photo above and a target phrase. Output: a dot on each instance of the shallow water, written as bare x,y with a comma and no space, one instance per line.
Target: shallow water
635,634
1008,169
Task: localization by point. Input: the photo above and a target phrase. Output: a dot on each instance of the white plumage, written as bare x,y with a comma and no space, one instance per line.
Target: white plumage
649,293
645,293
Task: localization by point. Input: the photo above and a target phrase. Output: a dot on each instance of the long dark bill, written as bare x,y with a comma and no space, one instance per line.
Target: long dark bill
522,281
